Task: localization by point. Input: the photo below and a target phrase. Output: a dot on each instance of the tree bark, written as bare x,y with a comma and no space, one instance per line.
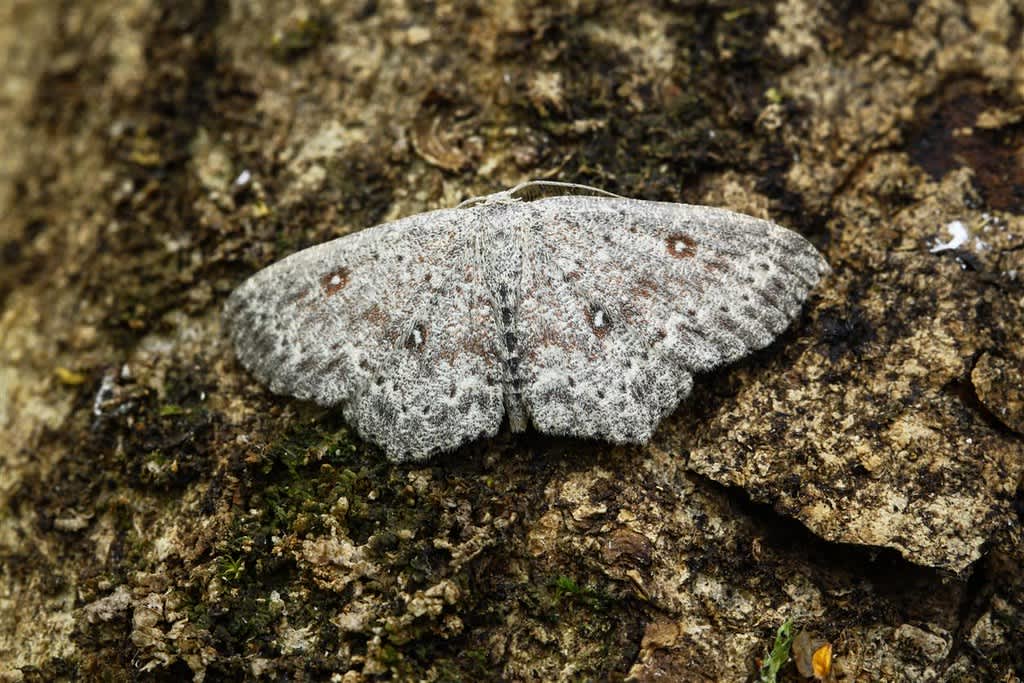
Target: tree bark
162,515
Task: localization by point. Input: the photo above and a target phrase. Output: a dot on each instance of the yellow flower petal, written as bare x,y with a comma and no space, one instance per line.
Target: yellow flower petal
821,661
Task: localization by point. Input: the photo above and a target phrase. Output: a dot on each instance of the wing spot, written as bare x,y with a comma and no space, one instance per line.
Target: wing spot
681,246
334,281
417,337
599,321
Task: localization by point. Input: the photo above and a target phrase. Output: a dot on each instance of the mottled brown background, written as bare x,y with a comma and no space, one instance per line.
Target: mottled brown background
163,517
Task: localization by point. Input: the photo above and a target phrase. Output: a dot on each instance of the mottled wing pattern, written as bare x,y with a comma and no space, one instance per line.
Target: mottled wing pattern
393,323
623,300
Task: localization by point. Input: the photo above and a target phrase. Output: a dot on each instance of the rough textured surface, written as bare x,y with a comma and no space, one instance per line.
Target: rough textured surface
164,517
903,456
586,316
999,383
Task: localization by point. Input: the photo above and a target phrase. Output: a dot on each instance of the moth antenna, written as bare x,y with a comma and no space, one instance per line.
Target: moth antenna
535,189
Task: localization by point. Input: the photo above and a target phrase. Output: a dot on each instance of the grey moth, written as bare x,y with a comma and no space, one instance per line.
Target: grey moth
579,312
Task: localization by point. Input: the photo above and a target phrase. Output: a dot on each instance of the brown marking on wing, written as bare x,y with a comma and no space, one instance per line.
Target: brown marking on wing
716,266
548,338
469,347
375,316
382,322
334,281
474,341
643,288
680,246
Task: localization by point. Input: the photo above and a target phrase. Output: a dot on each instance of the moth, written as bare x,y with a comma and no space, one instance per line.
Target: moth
575,310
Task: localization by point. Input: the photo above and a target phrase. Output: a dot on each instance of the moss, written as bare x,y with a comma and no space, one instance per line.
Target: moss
160,445
231,568
297,484
303,475
171,410
565,591
473,664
